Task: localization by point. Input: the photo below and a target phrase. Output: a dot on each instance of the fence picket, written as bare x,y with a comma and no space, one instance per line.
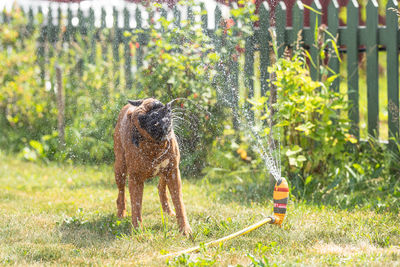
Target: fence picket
204,17
115,47
164,14
392,44
280,25
249,66
41,46
59,32
177,16
263,42
351,41
218,20
315,21
50,27
372,68
298,19
31,21
104,37
81,22
233,82
127,50
69,29
333,28
91,35
140,42
4,15
190,15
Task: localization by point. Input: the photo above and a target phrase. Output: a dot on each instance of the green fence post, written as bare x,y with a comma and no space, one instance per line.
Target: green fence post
233,84
31,21
333,28
69,28
204,18
41,46
81,22
315,21
115,47
280,25
392,44
372,68
140,43
177,16
104,36
59,33
50,30
163,14
190,15
127,51
249,73
217,40
298,20
4,15
91,35
263,41
82,32
351,40
218,20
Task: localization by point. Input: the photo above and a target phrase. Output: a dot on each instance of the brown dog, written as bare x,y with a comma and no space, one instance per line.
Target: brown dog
145,146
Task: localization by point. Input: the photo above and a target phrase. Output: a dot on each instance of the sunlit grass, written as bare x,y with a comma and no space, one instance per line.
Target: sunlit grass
65,214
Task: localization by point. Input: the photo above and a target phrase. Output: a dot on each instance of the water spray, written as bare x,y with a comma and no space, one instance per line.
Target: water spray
280,196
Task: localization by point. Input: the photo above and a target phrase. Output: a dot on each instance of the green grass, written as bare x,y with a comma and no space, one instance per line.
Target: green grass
63,214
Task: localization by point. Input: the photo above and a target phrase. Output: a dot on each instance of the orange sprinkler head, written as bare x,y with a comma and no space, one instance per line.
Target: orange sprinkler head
281,196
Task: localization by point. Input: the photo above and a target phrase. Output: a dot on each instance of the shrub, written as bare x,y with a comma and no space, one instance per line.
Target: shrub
27,109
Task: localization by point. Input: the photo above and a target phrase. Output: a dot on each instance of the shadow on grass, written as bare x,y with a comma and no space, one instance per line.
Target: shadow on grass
84,232
101,230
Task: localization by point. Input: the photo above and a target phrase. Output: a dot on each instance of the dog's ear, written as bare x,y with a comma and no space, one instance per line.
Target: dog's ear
135,103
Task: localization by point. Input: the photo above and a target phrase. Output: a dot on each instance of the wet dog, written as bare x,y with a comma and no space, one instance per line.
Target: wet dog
145,146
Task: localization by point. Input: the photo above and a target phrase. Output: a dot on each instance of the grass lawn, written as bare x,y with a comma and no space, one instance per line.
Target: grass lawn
64,214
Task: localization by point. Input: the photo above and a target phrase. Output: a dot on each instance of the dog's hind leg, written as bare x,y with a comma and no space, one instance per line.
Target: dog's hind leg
136,193
120,179
162,192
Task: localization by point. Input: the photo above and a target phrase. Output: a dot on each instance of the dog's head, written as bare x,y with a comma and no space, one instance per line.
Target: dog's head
152,118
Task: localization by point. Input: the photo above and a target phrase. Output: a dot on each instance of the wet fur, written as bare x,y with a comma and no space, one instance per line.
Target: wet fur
140,154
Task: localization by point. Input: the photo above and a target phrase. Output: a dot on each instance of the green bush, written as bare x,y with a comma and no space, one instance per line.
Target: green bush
308,118
27,109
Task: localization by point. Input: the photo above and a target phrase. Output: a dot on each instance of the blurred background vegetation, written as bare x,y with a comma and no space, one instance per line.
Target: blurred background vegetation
323,162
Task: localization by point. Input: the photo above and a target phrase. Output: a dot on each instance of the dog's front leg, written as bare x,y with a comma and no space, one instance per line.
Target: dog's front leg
162,192
175,188
136,193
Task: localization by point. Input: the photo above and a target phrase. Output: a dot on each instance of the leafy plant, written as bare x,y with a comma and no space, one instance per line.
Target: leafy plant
26,109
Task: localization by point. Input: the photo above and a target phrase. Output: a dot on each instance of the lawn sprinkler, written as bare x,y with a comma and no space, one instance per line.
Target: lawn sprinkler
280,196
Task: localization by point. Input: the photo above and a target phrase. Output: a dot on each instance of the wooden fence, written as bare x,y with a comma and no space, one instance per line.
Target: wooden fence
353,39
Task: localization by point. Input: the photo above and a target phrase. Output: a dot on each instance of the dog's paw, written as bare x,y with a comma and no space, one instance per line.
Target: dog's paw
121,213
171,213
186,231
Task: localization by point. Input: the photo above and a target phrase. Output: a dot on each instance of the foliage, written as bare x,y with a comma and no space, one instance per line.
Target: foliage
28,103
26,112
313,132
